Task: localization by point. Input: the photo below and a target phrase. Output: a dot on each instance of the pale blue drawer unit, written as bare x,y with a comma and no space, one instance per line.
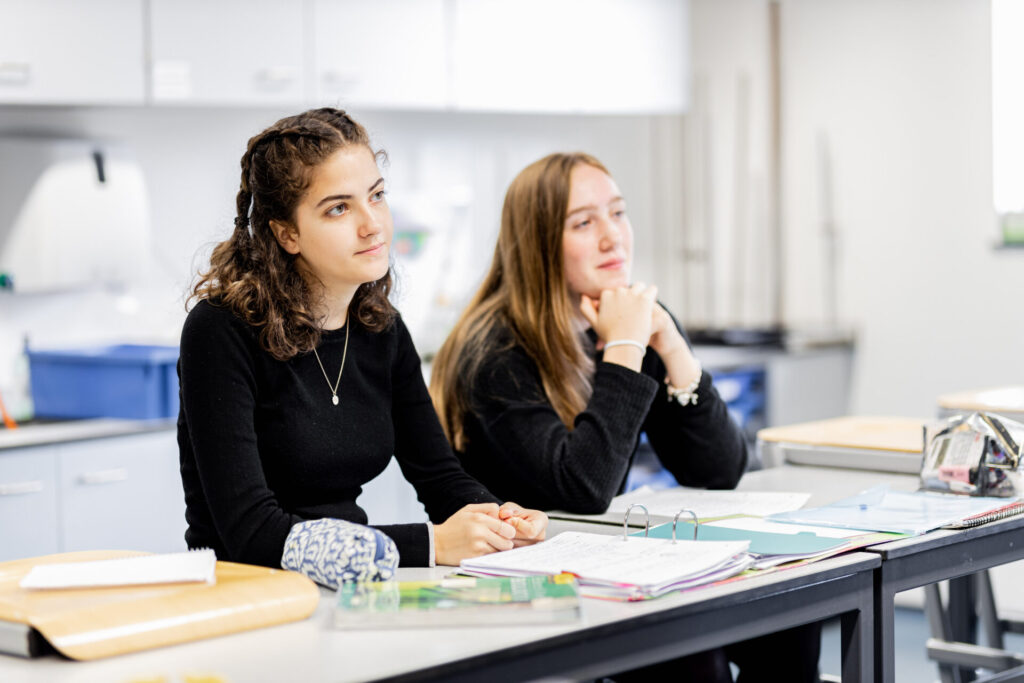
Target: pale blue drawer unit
28,502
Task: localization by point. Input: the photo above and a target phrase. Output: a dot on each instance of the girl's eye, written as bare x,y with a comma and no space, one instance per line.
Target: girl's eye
378,195
619,213
582,224
337,210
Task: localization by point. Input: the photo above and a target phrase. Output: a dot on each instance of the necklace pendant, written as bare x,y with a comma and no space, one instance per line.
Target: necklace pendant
334,399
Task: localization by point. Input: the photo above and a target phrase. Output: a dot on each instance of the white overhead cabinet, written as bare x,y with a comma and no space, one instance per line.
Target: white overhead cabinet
389,54
229,52
571,56
565,56
71,52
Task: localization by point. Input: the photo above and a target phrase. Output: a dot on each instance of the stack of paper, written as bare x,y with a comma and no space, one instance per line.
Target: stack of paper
618,568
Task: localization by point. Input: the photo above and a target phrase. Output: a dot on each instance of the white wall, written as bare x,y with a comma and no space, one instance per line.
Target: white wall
886,117
728,280
901,93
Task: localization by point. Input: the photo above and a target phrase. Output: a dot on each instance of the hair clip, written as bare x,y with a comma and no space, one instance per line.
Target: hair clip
625,520
696,523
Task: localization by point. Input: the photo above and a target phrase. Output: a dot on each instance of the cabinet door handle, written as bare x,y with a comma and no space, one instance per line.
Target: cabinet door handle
339,79
275,77
103,476
20,488
15,73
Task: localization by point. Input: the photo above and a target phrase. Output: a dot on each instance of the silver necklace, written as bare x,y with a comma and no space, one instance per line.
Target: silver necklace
344,354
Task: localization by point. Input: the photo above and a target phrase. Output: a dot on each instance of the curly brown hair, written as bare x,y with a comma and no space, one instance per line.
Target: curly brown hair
250,272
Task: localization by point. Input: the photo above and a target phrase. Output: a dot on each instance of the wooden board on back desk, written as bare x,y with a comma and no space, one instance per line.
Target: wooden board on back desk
885,444
1007,401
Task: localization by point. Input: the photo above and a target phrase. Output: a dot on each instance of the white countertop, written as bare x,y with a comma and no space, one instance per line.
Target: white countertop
77,430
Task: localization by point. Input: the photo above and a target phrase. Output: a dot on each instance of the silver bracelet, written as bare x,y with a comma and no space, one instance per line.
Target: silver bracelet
688,394
626,342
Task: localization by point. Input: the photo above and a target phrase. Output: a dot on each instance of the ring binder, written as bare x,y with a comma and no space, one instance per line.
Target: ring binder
625,520
696,523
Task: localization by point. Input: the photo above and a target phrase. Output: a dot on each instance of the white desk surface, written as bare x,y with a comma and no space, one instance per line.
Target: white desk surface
825,484
312,651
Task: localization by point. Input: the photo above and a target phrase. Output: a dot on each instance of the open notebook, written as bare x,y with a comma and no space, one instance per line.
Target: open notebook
89,623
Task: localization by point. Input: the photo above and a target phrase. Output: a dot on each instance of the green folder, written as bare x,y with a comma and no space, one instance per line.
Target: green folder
761,543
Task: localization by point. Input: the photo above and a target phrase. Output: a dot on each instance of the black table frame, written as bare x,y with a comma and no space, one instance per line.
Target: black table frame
937,556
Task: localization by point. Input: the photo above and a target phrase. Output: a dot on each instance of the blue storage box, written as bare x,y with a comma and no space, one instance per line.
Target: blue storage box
745,411
127,380
740,384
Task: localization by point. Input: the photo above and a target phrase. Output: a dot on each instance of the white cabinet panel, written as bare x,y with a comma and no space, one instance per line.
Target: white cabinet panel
69,52
122,493
572,55
387,53
227,52
28,502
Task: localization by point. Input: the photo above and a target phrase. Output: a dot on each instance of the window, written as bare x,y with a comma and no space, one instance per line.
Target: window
1008,118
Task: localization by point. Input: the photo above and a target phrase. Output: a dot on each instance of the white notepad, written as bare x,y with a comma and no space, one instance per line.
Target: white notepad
707,504
197,566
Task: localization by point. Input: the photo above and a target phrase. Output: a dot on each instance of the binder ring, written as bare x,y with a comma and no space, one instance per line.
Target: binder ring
675,521
625,520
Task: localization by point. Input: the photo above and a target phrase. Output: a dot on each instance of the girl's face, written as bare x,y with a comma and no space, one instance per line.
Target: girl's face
597,239
342,226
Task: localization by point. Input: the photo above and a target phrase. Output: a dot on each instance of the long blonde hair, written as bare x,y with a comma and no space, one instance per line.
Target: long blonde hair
524,293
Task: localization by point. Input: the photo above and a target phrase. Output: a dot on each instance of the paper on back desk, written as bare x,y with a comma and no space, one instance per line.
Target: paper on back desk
880,509
708,504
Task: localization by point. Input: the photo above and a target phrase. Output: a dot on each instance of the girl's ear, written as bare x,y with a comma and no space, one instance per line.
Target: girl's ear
287,236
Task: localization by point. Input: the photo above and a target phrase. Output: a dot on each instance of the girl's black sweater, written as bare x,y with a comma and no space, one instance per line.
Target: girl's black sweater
262,447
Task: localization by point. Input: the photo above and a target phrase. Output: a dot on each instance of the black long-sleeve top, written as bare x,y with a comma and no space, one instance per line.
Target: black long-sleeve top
262,447
519,448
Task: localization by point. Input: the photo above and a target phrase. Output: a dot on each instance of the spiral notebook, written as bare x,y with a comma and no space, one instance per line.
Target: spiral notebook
196,566
1008,510
881,509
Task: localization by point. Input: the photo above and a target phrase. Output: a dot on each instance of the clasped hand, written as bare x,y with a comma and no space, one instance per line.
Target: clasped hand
632,313
482,528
